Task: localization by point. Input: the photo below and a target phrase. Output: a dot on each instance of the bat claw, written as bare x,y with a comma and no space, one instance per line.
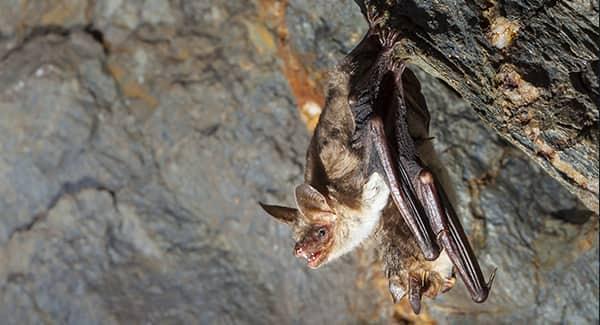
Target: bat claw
388,37
398,66
483,294
374,18
488,287
492,278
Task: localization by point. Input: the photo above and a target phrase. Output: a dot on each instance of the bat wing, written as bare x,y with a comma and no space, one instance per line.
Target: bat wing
442,216
451,235
403,193
369,79
422,202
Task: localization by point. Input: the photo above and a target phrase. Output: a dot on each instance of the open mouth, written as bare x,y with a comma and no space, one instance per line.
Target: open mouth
313,259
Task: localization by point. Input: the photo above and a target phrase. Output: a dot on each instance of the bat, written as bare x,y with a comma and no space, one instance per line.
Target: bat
364,152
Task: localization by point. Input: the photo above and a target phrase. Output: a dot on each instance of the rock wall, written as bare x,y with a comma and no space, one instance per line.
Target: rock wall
530,69
137,136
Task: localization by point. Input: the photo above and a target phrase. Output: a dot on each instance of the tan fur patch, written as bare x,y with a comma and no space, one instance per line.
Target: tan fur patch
337,161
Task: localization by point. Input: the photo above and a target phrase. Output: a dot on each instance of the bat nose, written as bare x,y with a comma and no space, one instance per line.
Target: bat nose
298,250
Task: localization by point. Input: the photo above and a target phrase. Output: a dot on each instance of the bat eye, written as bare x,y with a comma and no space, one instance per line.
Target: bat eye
321,232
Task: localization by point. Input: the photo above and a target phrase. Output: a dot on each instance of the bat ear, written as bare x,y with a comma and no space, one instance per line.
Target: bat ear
311,202
282,214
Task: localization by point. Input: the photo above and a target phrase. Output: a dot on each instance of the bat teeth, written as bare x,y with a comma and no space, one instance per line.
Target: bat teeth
312,258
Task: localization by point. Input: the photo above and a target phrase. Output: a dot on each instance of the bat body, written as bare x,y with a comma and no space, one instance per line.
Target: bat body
362,154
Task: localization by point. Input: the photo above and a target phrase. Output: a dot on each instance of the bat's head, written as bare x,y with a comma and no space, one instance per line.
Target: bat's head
313,224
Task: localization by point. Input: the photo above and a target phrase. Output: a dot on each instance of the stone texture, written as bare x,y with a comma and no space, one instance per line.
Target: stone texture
137,136
529,69
541,238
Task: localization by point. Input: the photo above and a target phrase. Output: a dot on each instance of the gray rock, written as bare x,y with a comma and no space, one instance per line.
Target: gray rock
520,220
135,146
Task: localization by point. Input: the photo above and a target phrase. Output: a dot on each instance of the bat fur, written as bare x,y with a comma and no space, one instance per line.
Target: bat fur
346,198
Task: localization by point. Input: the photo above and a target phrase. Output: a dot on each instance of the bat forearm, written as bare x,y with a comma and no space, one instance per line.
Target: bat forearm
401,195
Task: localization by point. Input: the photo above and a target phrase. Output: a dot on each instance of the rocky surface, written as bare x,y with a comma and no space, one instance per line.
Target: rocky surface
530,69
137,136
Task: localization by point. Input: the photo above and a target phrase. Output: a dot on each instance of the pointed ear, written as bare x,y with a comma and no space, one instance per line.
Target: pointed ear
310,201
281,214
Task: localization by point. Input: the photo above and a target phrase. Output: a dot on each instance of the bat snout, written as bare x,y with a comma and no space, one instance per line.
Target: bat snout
299,250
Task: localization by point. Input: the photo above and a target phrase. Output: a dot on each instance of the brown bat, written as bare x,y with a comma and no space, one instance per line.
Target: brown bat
362,153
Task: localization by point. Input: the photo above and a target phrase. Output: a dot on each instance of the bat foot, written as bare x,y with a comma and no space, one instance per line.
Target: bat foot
388,37
374,18
417,284
398,67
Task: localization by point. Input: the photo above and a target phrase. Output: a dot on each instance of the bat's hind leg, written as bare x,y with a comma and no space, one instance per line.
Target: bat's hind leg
426,280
